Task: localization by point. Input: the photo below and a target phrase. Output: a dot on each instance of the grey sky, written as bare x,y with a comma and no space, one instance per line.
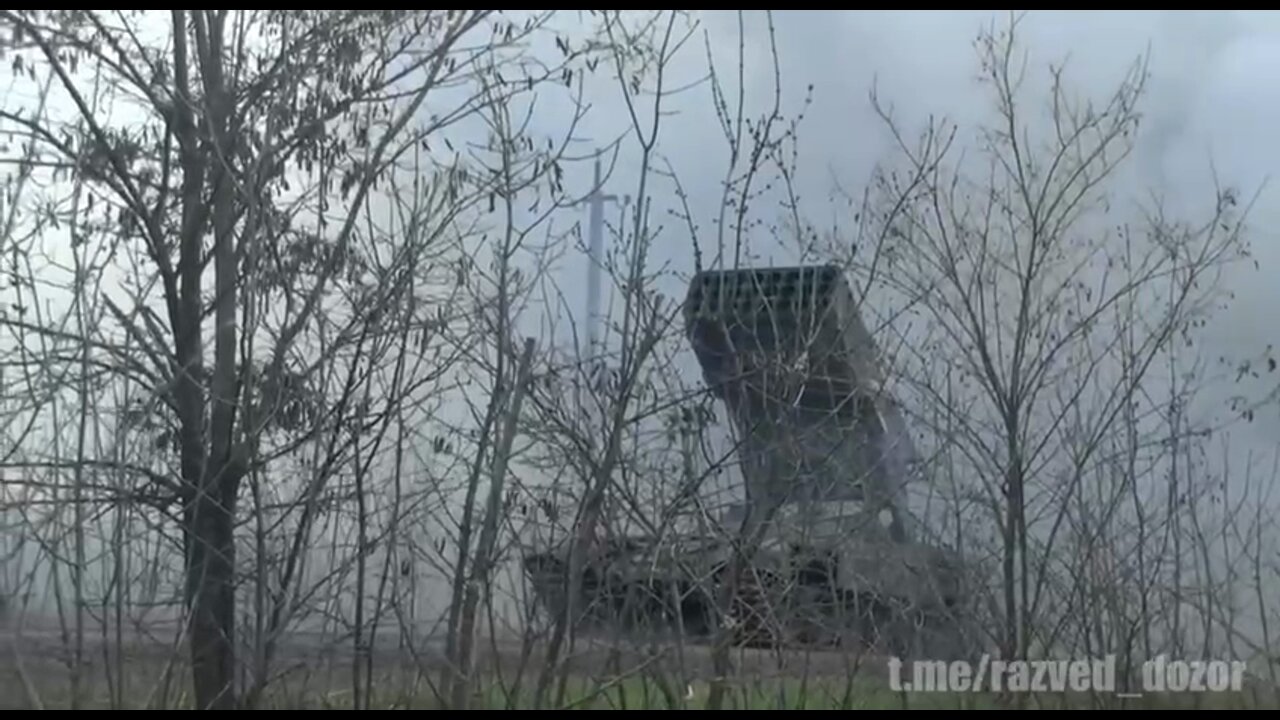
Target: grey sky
1212,100
1211,106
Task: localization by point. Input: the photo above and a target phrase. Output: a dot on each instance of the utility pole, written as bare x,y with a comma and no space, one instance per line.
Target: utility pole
596,365
595,259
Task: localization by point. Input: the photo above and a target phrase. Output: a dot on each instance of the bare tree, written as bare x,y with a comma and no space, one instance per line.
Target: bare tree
1046,316
267,132
646,547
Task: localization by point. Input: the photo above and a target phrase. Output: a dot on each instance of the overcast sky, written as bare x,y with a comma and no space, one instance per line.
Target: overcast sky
1212,99
1212,105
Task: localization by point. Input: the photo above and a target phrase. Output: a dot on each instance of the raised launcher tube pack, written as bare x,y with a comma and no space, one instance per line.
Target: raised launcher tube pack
786,350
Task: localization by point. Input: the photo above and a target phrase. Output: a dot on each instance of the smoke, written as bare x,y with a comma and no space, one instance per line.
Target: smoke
1209,116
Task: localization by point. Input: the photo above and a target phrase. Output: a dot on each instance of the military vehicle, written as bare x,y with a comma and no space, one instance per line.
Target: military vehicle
823,551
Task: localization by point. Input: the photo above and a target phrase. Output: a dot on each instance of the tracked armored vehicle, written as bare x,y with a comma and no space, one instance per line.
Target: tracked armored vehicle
822,552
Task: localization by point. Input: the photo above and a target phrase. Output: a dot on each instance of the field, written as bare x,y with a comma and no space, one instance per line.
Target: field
311,672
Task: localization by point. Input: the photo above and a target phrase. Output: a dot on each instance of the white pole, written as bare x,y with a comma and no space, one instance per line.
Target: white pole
595,259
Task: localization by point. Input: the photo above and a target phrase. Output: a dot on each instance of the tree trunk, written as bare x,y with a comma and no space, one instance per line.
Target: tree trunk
211,595
215,476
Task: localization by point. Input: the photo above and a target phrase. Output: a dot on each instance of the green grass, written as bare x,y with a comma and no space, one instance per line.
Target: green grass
326,683
815,694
